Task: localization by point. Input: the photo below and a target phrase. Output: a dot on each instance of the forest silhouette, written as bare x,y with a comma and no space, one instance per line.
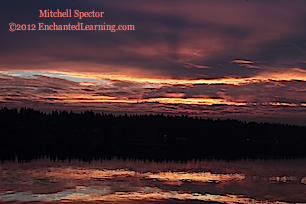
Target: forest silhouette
32,134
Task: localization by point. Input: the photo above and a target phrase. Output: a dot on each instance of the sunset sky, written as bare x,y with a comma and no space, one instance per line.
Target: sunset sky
210,58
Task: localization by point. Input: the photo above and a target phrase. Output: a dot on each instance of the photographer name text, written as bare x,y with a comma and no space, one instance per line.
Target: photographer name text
68,14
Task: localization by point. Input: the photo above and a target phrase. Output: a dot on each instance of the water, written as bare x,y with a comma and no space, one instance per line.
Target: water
117,180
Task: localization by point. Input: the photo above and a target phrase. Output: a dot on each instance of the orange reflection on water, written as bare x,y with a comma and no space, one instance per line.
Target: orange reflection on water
159,195
150,182
197,177
70,173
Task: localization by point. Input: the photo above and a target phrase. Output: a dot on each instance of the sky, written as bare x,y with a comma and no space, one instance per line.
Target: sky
242,59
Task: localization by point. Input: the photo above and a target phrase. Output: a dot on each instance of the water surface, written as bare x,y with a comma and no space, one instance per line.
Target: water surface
118,180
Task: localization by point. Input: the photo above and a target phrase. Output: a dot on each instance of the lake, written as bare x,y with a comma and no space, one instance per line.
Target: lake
143,181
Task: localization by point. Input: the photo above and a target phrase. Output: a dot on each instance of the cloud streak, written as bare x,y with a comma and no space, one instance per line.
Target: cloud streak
295,74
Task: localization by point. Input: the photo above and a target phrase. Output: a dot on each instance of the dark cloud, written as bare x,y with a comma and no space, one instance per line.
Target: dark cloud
163,38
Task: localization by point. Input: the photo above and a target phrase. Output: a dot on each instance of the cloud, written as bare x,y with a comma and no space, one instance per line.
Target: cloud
289,75
239,61
246,63
197,33
198,66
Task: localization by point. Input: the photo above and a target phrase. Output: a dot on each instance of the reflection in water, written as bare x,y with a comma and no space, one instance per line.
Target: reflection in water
197,177
283,179
120,181
162,195
162,176
147,194
73,173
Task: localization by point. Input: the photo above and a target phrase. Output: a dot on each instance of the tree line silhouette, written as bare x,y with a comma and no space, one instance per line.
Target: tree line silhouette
29,133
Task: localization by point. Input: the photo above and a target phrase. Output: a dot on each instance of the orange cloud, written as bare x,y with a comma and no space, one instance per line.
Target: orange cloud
79,98
198,66
195,101
283,104
290,75
238,61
